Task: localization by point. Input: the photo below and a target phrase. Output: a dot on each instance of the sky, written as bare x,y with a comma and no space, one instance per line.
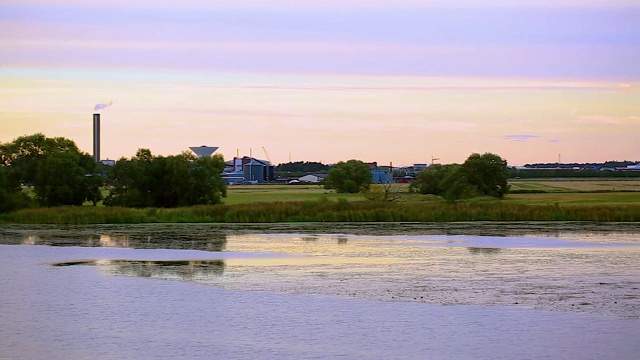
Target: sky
418,81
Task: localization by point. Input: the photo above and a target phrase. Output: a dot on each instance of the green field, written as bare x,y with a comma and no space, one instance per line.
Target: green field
244,194
548,192
575,185
578,201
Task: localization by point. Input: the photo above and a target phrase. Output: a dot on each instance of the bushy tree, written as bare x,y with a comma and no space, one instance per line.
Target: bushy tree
349,177
65,178
488,173
55,167
172,181
455,185
11,196
479,175
448,181
430,180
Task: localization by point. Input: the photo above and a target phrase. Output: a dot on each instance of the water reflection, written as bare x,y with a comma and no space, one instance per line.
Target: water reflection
31,240
213,237
153,236
185,270
484,250
115,241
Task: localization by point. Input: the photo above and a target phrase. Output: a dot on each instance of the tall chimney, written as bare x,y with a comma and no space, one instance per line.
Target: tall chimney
96,137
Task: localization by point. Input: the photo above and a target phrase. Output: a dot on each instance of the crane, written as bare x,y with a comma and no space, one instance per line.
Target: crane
267,154
433,159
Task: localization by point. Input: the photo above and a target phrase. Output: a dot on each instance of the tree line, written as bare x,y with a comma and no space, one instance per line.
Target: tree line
484,174
58,171
172,181
60,174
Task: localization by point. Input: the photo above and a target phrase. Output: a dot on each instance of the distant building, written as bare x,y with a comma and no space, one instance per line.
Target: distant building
380,174
248,169
257,170
312,178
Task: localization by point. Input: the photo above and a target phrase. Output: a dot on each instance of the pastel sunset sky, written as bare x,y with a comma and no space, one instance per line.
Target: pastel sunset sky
328,80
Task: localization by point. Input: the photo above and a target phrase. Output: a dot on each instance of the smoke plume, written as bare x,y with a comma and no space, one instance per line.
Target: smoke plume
102,106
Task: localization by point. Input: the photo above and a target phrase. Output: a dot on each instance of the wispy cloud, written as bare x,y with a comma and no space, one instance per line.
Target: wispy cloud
519,137
607,119
285,36
261,4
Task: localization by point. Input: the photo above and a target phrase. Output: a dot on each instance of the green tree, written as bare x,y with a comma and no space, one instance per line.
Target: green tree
485,174
11,196
172,181
455,185
430,180
349,177
64,178
448,181
55,167
128,184
488,173
24,153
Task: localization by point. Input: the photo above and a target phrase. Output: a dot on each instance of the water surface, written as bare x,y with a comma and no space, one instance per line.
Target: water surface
461,291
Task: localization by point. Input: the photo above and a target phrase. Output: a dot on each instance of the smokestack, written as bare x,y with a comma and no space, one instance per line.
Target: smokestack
96,137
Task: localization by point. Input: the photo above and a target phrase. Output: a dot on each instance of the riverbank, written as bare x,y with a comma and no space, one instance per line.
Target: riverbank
340,210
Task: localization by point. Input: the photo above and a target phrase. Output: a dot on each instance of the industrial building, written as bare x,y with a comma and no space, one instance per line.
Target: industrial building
248,170
380,174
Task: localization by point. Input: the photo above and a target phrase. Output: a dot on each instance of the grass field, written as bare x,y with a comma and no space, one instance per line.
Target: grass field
548,192
244,194
578,200
575,185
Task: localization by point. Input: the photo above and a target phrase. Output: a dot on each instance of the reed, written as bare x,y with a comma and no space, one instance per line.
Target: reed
324,210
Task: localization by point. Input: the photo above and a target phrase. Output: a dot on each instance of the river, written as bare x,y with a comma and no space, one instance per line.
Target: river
320,291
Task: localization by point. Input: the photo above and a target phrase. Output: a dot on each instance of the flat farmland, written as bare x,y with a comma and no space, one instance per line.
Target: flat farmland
575,191
567,192
243,194
575,185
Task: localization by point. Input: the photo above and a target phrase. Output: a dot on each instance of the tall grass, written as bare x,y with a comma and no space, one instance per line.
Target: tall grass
330,211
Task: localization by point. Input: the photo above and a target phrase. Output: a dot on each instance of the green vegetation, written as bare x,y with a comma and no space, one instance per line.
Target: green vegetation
570,173
331,211
267,203
299,168
574,194
244,194
11,198
55,167
54,174
479,175
173,181
584,185
349,177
